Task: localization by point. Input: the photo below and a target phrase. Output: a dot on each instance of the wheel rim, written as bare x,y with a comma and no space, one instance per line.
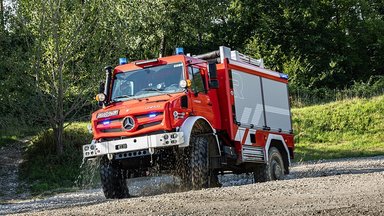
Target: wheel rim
277,170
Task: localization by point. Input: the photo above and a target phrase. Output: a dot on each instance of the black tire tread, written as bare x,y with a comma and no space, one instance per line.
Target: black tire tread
199,162
113,181
263,173
260,173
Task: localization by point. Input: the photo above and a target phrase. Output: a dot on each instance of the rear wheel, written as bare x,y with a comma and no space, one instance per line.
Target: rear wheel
113,180
273,170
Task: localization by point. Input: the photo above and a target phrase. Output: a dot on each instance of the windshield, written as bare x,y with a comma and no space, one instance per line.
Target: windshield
146,82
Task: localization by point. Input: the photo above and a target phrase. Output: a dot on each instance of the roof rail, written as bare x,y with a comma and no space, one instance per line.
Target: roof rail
226,52
236,55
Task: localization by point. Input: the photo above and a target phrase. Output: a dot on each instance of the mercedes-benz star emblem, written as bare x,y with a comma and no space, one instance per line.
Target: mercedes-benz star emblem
128,123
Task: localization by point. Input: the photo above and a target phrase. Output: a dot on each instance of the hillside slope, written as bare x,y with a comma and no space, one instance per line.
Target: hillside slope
347,128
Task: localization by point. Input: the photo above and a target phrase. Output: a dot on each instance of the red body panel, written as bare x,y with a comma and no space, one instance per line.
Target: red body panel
156,113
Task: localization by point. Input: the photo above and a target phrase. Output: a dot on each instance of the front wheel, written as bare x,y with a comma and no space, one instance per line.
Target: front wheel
199,162
113,180
193,164
272,170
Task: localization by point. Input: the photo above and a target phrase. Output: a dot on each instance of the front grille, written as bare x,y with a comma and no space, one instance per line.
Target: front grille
111,130
147,115
148,125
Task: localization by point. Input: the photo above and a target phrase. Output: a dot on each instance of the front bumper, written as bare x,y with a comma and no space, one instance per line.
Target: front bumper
149,143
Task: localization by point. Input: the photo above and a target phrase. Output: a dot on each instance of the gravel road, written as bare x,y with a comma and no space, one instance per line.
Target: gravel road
330,187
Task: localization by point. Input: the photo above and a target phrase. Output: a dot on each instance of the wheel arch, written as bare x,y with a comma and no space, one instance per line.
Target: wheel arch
205,126
277,141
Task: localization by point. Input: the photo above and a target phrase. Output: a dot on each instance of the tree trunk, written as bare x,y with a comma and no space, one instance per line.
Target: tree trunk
59,114
200,39
162,46
58,132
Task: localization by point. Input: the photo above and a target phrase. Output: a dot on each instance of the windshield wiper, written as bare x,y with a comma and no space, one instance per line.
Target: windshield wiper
151,89
154,89
121,96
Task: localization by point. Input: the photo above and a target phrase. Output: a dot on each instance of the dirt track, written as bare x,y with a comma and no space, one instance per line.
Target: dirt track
339,187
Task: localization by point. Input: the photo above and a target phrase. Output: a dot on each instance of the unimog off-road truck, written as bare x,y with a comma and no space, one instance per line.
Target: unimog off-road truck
199,116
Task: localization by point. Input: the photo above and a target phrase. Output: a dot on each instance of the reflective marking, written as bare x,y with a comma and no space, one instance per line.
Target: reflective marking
257,115
239,134
242,135
277,110
246,114
238,84
245,136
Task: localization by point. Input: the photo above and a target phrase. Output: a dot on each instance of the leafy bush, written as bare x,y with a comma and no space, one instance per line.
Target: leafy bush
45,170
304,96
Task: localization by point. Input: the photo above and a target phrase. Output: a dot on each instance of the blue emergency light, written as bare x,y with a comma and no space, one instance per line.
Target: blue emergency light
106,122
152,115
122,61
284,76
179,50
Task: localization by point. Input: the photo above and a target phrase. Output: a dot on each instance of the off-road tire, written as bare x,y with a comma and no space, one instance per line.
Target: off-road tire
199,162
113,180
273,170
192,164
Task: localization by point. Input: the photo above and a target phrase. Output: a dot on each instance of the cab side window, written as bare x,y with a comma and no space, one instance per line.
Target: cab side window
197,79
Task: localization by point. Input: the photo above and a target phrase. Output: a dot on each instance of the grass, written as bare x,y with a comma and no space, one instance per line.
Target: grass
46,171
6,139
349,128
12,134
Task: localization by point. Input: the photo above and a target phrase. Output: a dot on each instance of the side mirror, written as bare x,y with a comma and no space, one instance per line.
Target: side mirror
214,84
212,70
108,80
101,87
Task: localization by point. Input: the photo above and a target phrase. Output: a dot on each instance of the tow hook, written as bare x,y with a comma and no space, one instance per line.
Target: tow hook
110,156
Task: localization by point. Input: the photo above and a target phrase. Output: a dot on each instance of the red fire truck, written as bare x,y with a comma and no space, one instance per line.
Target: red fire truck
199,116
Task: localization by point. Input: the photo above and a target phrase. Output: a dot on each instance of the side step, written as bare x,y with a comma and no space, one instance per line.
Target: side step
252,154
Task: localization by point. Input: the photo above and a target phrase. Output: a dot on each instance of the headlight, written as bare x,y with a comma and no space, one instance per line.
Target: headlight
100,97
89,127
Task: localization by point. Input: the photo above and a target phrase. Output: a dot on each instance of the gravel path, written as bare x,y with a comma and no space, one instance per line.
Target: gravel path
10,159
332,187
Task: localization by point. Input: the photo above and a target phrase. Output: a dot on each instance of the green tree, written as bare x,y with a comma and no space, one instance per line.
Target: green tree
61,30
336,41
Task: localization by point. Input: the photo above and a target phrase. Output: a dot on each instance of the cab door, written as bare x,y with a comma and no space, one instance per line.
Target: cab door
201,104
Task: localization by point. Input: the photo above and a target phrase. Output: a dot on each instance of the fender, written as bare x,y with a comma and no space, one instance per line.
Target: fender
187,127
268,143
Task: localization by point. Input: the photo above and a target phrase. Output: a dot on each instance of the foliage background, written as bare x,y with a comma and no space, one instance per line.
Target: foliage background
53,52
52,55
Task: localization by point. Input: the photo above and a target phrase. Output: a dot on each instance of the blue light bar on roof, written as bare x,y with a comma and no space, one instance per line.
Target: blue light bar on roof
122,61
284,76
179,50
